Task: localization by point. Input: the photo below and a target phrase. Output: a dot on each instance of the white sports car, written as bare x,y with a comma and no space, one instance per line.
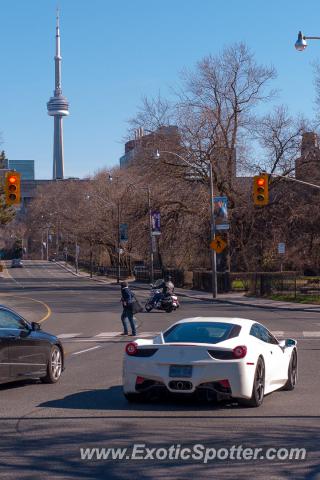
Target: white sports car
216,357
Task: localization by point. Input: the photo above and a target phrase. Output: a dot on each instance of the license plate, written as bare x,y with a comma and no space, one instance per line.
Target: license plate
180,371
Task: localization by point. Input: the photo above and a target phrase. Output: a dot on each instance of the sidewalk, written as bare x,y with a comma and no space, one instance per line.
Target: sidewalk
233,298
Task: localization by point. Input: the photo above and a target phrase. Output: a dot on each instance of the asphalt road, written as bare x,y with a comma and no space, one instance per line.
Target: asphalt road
43,427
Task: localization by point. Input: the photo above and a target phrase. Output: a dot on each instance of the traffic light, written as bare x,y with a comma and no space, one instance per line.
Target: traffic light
261,189
12,188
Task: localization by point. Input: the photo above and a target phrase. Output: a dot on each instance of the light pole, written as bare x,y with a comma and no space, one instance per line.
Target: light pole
118,233
212,219
301,43
147,189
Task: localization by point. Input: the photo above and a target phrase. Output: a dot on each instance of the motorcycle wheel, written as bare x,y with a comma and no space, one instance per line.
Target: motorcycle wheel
169,309
148,307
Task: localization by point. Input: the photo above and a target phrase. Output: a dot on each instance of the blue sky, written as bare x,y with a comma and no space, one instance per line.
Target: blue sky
113,52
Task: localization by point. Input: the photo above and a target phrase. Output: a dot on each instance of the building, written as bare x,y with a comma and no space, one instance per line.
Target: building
25,167
307,167
58,107
146,144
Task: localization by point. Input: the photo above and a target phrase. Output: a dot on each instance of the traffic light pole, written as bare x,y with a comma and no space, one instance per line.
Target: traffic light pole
294,180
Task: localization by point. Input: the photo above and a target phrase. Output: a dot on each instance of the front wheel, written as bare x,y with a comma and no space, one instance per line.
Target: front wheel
292,372
257,388
148,307
54,368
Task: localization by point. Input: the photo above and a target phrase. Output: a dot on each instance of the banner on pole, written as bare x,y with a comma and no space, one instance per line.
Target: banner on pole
220,213
155,223
123,232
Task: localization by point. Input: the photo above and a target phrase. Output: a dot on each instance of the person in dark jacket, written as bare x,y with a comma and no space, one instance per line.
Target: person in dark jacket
127,298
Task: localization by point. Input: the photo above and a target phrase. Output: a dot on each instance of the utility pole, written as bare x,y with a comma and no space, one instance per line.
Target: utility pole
119,248
150,233
213,234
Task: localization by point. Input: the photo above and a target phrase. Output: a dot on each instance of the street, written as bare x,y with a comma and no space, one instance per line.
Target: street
44,426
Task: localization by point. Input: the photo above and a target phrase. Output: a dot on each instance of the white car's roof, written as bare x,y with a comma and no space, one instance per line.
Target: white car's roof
245,323
237,321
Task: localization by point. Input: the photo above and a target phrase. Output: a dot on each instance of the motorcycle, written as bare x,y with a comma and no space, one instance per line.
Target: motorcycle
167,303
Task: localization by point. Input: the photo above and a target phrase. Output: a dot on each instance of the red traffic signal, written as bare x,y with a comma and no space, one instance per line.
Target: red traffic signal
12,188
261,189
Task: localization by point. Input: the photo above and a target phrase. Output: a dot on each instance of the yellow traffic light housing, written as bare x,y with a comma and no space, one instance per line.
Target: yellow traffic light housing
261,189
12,188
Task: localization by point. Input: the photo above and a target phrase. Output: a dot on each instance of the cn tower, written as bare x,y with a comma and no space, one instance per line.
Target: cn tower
58,107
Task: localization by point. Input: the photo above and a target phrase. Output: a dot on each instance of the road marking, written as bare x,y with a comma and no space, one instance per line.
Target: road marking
87,350
46,306
108,334
278,333
311,334
68,335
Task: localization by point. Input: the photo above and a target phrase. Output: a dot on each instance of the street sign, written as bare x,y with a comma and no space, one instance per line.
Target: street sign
218,244
281,248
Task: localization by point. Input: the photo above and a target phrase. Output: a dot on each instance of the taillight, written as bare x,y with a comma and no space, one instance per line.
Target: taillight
139,380
131,348
240,351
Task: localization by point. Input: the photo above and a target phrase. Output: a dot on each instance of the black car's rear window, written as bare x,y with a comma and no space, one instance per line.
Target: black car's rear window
201,332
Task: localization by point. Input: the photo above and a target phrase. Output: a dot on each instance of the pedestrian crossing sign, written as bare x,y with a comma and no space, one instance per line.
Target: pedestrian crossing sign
218,244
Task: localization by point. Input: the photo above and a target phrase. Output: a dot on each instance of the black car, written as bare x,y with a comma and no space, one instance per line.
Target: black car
16,263
26,351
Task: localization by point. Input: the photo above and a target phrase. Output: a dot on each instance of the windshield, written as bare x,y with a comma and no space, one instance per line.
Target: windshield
201,332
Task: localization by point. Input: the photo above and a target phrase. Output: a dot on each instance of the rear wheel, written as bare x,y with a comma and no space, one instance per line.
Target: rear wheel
292,372
54,368
258,387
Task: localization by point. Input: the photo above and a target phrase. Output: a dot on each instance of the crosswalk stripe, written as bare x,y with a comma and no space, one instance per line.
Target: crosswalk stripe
311,334
117,336
68,335
108,334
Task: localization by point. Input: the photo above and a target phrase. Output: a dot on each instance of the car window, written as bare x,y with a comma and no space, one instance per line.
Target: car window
262,333
10,320
201,332
254,331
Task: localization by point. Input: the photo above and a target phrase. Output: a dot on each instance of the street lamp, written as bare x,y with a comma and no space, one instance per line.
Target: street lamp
147,189
301,43
212,219
110,178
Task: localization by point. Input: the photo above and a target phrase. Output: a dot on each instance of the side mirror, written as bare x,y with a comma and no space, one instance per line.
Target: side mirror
289,342
35,326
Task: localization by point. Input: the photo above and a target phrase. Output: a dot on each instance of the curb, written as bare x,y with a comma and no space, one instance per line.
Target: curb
213,300
242,304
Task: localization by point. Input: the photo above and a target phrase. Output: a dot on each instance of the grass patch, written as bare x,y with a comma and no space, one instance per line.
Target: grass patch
298,299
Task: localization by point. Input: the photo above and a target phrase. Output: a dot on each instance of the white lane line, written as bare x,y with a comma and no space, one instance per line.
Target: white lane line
311,334
68,335
108,334
147,334
86,350
279,333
